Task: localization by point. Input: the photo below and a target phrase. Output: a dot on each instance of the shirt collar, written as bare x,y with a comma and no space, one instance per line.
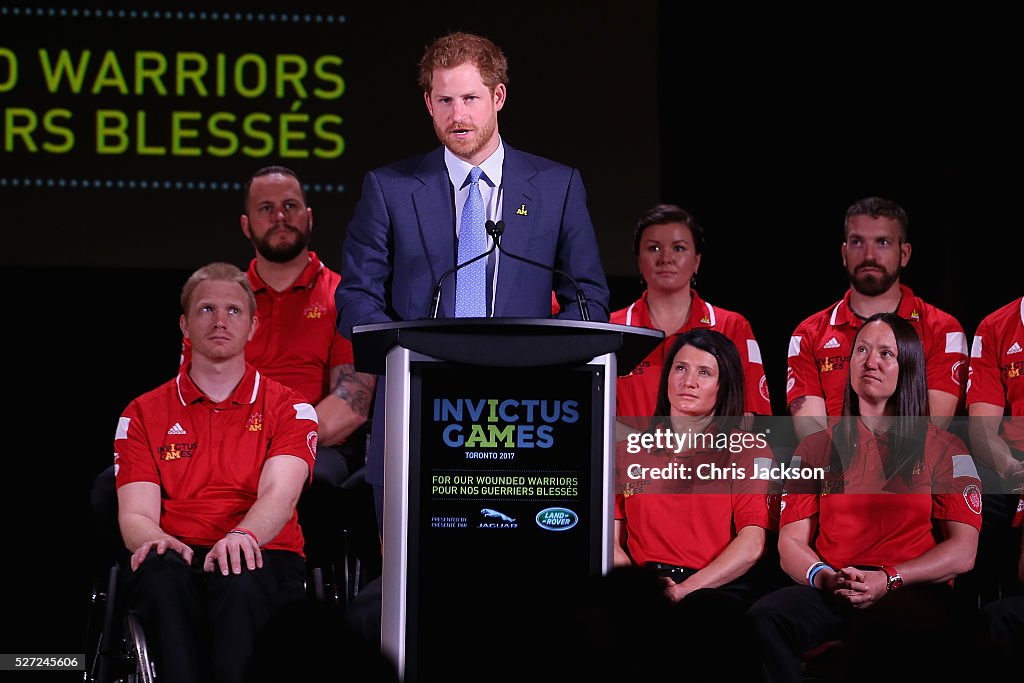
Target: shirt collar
305,279
701,313
908,309
458,169
244,393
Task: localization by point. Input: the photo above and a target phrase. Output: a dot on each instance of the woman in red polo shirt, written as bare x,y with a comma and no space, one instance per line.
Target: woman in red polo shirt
691,509
669,244
875,541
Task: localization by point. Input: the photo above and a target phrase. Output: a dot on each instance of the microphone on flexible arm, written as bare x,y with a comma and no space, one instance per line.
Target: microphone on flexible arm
496,230
437,288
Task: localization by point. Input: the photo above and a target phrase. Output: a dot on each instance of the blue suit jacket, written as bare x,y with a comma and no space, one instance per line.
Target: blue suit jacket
402,240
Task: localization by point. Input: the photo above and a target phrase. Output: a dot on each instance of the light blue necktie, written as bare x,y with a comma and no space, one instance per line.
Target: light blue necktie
471,281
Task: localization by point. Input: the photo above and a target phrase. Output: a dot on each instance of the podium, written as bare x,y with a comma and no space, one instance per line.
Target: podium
499,475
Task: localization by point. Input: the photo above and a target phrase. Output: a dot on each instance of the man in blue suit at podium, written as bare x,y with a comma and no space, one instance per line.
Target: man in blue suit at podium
417,219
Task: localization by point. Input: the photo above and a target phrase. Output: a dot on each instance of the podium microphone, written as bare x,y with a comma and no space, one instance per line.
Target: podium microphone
496,230
437,288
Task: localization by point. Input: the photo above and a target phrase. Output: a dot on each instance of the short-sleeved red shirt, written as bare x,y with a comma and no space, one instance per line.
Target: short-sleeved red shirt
865,519
208,457
637,393
820,349
690,529
997,367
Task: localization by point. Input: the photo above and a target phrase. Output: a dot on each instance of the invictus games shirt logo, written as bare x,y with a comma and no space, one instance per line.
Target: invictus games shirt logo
639,369
175,451
830,363
830,486
631,488
255,423
314,311
1013,370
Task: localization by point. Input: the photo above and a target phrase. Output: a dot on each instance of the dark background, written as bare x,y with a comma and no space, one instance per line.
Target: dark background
767,126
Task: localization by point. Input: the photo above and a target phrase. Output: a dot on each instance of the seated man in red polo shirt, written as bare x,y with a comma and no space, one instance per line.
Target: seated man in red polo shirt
995,403
297,340
876,249
209,468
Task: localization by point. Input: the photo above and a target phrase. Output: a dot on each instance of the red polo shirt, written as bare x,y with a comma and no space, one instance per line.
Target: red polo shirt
863,519
637,393
208,457
997,367
820,348
688,523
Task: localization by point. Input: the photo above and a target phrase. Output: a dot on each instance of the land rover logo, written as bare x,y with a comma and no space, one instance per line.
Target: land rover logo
556,519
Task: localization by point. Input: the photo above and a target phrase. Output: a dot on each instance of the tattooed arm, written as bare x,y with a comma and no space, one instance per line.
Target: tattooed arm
345,408
808,415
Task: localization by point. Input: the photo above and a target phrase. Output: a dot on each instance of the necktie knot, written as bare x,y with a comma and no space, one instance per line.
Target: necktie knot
474,174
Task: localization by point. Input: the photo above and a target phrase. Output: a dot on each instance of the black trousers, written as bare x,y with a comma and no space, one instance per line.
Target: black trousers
912,633
189,615
995,570
1001,631
706,634
715,639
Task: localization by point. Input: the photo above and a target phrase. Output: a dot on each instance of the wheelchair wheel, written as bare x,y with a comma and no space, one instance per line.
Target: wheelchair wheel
115,643
138,653
100,640
130,662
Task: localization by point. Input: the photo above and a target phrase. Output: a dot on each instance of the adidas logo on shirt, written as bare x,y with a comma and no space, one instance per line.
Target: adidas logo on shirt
832,343
1014,349
176,429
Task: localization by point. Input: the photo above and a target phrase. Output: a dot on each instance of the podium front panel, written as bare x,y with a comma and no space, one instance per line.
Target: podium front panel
505,508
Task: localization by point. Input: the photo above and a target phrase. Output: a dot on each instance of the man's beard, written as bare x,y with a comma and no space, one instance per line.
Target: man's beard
467,148
282,252
874,284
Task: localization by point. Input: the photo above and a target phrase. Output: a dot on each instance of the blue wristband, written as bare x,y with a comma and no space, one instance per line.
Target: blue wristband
813,572
807,574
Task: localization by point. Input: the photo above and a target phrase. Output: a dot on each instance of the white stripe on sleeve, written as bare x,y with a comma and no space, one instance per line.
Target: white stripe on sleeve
304,411
963,466
976,347
794,346
956,342
122,427
754,351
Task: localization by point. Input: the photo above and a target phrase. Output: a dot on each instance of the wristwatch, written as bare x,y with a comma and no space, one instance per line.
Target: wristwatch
894,579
